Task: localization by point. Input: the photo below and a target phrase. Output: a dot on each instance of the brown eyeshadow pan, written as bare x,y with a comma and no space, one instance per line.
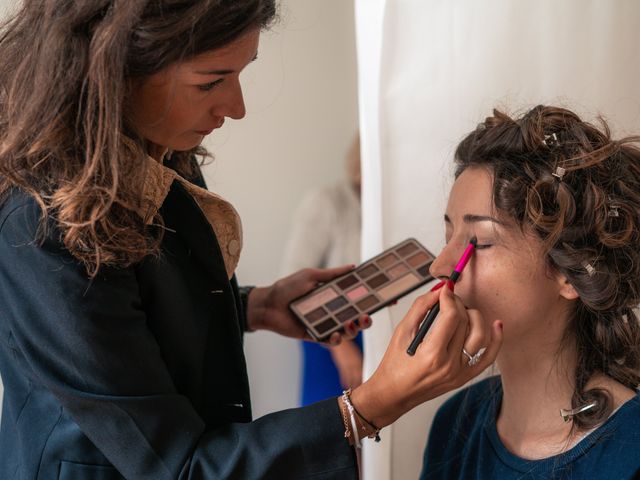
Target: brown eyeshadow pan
407,249
398,270
346,314
418,259
335,304
316,314
388,260
378,280
367,303
367,271
424,271
347,282
325,326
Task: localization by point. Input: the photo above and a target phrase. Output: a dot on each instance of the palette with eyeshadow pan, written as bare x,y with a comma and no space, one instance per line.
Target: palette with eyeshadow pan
373,285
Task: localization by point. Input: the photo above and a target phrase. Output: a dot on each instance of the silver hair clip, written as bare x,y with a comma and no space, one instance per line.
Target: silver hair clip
613,208
559,173
613,212
567,414
589,268
550,140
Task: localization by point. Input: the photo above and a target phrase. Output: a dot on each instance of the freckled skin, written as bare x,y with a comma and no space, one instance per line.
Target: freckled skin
508,280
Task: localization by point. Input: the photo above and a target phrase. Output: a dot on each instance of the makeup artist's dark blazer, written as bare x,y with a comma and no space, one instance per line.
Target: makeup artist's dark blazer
141,373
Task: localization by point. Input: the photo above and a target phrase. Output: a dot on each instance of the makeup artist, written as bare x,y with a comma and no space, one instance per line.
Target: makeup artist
121,321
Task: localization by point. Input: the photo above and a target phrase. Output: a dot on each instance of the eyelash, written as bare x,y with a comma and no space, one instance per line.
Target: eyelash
210,86
482,246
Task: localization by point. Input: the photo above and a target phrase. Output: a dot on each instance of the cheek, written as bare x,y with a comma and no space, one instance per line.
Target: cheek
497,287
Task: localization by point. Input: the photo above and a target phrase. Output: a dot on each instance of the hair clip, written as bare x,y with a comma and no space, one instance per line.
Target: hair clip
589,268
550,140
567,414
613,208
559,173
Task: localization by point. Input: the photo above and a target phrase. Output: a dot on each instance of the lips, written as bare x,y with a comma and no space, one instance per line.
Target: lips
210,129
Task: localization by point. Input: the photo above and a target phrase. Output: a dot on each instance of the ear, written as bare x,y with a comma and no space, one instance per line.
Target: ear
566,289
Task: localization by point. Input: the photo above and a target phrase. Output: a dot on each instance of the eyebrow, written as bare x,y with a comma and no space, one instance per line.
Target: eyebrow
472,218
224,72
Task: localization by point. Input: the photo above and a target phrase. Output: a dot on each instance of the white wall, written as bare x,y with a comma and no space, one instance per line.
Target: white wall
444,65
301,98
301,114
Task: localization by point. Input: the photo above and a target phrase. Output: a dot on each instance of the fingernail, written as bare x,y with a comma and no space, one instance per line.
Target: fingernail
450,284
438,286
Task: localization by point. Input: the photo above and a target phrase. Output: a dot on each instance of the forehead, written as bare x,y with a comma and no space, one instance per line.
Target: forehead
472,193
235,55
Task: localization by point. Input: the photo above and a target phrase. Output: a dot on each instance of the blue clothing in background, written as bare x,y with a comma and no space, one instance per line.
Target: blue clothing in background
320,377
464,444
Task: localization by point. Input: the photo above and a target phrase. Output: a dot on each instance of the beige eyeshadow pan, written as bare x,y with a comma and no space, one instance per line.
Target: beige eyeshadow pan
319,298
398,270
398,286
387,260
418,259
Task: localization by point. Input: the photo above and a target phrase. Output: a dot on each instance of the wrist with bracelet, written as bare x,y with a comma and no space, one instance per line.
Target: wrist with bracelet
356,426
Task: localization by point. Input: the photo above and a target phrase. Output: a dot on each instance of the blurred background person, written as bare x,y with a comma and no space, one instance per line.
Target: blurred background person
326,232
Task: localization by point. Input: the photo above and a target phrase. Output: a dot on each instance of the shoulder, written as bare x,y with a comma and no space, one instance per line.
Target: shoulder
611,450
627,418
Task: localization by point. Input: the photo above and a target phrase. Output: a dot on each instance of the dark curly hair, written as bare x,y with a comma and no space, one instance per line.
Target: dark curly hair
579,191
65,69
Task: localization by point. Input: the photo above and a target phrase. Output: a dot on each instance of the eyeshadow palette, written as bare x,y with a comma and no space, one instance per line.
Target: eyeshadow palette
373,285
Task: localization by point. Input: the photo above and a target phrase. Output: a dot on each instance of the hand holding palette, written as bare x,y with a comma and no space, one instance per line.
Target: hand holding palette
372,286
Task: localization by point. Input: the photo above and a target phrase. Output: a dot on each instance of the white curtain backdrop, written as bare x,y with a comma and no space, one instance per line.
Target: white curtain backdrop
429,71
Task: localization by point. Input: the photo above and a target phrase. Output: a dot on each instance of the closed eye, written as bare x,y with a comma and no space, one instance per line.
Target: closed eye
480,246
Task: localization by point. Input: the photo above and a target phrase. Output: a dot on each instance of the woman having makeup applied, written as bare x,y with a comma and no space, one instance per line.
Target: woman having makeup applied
121,320
555,204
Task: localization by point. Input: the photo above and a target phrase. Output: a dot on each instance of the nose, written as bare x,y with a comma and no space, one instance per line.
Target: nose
444,263
236,108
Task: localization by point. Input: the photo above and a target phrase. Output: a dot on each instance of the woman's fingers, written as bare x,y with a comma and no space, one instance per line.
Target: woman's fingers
326,274
351,328
452,322
409,325
478,338
491,350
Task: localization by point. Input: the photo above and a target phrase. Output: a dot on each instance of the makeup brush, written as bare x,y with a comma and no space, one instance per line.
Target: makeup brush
433,313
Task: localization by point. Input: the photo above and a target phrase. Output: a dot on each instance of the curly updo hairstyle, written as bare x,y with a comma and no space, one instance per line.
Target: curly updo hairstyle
579,191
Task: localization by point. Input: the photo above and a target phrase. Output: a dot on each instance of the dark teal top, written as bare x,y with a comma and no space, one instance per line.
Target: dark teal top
464,444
